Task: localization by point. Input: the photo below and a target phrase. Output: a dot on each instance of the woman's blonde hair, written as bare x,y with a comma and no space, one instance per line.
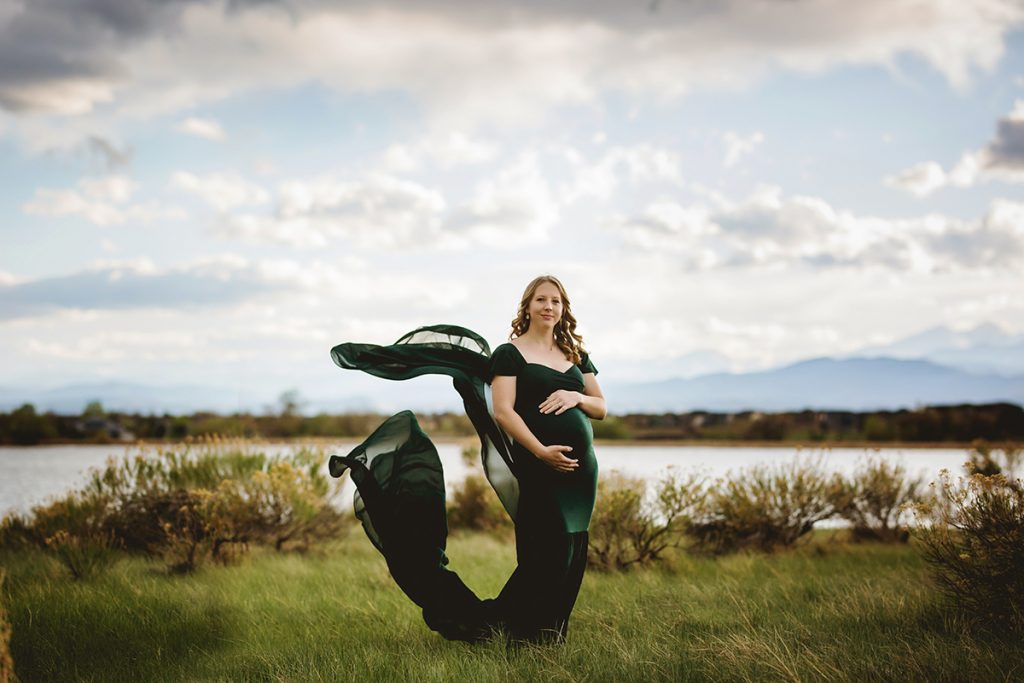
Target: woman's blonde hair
566,338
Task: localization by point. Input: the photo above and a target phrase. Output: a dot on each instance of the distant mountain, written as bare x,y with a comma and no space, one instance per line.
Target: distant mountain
822,383
427,394
692,364
124,396
986,349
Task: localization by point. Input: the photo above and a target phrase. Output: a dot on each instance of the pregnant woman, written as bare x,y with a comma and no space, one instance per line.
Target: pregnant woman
544,389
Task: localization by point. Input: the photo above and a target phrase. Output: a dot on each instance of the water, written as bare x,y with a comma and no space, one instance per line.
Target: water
31,475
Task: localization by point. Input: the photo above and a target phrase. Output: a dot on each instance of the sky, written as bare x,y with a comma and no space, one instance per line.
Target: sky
216,192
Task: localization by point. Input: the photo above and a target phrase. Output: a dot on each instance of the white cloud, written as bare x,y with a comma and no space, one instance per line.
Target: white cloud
632,164
473,63
920,180
375,211
117,189
444,151
101,201
202,128
512,210
773,230
1001,159
737,147
222,191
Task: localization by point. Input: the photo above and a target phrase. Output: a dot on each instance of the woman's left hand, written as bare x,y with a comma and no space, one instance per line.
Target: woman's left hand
560,401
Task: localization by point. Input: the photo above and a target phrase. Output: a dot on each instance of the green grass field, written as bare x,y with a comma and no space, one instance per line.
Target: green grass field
826,611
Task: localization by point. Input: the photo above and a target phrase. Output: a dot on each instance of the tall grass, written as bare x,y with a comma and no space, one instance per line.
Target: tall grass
824,609
6,664
827,610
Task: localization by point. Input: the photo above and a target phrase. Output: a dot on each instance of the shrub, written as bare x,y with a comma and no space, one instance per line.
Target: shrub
6,663
612,427
139,521
84,556
972,536
283,507
474,505
208,496
984,459
80,514
631,528
875,498
187,535
764,508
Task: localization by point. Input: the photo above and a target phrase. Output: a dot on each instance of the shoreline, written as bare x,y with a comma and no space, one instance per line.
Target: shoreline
598,443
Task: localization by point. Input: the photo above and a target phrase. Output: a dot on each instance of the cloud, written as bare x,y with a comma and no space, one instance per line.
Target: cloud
512,207
603,177
1001,159
465,61
919,180
222,191
769,229
202,128
1006,151
101,201
737,146
444,151
110,157
377,210
140,284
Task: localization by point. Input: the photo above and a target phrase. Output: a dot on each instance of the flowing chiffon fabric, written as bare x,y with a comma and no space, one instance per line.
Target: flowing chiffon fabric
400,498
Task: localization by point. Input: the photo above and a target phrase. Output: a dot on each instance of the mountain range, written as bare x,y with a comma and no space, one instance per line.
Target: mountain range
940,366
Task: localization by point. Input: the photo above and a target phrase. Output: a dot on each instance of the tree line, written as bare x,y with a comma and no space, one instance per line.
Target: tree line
930,424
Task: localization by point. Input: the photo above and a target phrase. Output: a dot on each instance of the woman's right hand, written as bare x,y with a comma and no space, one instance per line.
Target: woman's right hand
553,458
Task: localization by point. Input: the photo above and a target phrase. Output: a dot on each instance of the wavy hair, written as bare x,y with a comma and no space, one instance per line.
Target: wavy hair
566,337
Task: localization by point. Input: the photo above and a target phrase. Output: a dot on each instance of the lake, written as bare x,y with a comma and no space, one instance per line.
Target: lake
31,475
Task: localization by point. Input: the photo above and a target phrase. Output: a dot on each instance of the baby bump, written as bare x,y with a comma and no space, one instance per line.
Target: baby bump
571,428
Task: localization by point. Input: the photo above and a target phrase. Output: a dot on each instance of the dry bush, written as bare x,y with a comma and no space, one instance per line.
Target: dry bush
875,498
765,508
972,535
987,460
631,528
84,556
139,522
80,514
475,505
283,507
206,497
187,539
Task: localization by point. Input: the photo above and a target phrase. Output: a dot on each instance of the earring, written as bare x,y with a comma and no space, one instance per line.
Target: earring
527,316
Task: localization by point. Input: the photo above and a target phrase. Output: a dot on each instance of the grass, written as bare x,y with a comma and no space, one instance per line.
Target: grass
826,611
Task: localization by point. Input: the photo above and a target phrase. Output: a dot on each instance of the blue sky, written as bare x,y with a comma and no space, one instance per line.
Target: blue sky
216,193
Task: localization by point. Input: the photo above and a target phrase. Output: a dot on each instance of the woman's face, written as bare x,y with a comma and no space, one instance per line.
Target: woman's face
546,305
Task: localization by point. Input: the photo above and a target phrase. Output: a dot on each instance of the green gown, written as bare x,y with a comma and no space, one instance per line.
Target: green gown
400,497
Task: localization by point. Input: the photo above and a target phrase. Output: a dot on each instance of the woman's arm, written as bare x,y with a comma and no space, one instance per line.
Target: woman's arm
503,392
590,401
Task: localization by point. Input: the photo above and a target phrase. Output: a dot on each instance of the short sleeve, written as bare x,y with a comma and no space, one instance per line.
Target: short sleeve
506,360
585,365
